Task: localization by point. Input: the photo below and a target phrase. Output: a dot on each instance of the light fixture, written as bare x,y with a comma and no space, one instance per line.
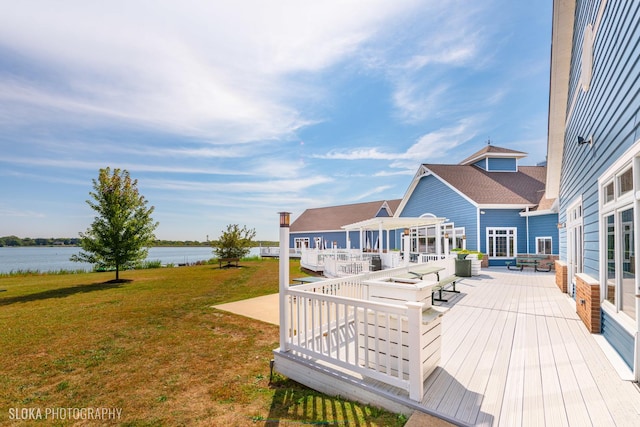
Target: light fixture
406,231
582,140
284,219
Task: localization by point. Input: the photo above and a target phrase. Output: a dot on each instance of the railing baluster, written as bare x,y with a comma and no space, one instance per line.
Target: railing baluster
290,335
337,331
377,339
356,319
313,324
328,307
388,322
307,304
399,346
320,323
298,318
366,337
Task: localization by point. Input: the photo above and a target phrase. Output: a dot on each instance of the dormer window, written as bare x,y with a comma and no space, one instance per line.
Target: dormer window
495,159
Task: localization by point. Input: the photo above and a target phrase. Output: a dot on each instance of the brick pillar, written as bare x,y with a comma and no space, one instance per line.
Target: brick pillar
561,275
588,302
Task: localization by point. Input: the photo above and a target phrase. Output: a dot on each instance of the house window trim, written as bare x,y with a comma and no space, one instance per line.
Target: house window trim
303,240
574,254
514,235
538,239
620,202
614,310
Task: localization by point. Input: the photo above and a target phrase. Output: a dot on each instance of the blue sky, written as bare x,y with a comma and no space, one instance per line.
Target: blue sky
229,112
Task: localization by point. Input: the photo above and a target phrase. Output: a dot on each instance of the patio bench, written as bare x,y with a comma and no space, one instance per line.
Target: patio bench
442,287
548,265
529,261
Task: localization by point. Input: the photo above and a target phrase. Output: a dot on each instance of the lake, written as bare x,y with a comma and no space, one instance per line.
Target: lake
57,257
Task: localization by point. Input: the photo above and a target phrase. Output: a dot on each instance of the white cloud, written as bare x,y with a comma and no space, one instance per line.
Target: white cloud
280,187
71,164
368,194
208,69
362,153
12,212
417,103
431,146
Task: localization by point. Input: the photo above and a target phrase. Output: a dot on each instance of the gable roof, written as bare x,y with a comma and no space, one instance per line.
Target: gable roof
332,218
524,187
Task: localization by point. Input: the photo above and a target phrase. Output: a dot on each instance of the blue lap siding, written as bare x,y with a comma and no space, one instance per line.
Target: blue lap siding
433,196
608,111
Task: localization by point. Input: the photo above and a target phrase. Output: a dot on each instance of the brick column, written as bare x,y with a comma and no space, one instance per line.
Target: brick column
561,275
588,302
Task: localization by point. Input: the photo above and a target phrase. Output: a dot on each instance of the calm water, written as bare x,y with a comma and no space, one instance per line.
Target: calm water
57,258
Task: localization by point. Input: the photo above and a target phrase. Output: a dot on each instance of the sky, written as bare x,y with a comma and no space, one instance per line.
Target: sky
230,112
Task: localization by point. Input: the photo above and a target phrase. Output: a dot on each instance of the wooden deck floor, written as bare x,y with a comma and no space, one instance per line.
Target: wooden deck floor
514,353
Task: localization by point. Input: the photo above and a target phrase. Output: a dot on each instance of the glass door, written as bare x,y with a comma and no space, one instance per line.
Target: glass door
575,259
628,270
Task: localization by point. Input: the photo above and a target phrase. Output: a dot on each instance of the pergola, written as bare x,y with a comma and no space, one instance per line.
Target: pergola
387,224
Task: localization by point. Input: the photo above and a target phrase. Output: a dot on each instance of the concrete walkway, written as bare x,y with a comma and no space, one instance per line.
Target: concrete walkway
264,308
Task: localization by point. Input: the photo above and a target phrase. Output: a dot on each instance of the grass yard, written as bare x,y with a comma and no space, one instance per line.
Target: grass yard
155,349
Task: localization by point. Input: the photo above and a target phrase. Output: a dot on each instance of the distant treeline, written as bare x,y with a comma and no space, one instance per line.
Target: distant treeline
74,241
28,241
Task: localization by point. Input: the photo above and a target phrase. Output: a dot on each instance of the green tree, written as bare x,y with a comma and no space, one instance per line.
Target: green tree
122,229
235,242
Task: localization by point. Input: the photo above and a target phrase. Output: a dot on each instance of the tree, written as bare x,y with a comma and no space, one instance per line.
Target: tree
123,228
236,242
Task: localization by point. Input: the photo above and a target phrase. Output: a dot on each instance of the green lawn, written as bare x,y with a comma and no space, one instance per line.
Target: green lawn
154,348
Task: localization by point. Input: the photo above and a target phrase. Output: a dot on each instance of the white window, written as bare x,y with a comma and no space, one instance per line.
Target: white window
543,245
625,182
502,242
608,192
301,242
461,238
618,234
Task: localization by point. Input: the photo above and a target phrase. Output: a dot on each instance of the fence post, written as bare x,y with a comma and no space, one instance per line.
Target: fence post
416,384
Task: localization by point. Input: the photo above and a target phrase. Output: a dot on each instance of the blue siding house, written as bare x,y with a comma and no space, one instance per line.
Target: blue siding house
492,204
321,228
489,202
594,163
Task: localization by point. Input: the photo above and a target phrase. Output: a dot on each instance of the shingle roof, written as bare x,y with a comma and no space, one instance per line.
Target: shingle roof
334,217
507,188
545,204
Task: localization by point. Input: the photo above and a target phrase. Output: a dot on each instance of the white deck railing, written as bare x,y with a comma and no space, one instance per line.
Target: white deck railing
422,258
334,321
268,251
343,262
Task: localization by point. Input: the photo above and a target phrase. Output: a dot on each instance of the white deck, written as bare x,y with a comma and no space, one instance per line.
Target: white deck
515,353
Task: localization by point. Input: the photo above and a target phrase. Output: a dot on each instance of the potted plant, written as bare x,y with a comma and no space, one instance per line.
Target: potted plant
476,258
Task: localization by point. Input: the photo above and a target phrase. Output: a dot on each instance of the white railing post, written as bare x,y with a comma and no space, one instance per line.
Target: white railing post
284,279
416,385
406,243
